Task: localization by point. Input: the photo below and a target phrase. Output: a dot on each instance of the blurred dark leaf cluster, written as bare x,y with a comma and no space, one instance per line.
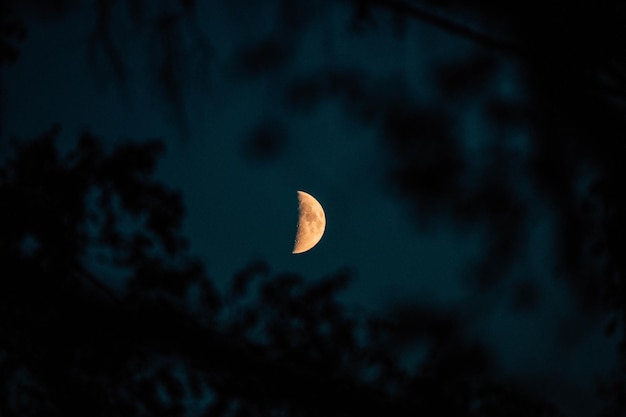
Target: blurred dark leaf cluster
573,109
266,142
12,30
573,83
428,162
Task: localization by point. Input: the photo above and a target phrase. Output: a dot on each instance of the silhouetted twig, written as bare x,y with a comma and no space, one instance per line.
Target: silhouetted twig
448,25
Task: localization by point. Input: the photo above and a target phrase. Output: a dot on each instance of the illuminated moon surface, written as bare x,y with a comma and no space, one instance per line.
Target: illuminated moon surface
311,222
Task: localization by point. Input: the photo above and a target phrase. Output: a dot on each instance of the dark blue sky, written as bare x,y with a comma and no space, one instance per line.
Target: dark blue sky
239,209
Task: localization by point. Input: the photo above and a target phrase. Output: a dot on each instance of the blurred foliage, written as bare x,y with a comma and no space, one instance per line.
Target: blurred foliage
13,31
176,52
571,109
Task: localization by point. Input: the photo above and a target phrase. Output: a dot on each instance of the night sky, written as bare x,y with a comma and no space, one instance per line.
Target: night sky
255,100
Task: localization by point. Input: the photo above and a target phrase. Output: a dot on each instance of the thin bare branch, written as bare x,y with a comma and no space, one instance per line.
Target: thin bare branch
450,26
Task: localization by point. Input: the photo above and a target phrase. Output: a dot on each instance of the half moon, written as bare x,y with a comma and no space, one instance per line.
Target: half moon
311,222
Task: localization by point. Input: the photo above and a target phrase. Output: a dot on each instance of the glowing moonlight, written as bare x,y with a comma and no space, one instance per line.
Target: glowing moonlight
311,222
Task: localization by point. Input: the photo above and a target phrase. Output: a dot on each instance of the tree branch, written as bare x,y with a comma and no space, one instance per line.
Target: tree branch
444,23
